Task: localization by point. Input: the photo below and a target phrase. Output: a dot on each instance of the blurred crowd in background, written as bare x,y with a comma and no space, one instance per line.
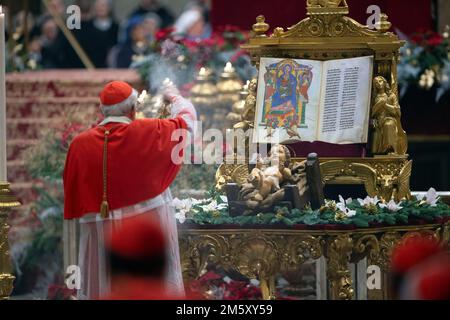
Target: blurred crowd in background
108,43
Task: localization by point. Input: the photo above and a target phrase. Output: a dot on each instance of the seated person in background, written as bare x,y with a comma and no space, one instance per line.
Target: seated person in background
420,270
152,24
136,44
203,5
192,25
103,32
153,6
47,49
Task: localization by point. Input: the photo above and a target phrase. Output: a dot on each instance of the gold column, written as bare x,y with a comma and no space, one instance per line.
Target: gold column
7,202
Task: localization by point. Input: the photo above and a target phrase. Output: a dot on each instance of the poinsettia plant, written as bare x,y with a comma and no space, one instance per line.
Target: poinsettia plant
425,62
37,250
215,286
180,58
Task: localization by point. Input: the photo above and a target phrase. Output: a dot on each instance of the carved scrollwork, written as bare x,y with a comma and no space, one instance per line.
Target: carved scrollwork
256,256
445,233
331,170
366,246
199,251
299,249
387,242
6,279
327,26
387,178
326,3
226,173
339,250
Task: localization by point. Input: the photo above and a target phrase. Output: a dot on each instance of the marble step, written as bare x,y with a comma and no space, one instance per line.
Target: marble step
65,83
44,107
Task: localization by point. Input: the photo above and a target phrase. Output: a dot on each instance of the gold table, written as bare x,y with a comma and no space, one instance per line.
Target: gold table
265,252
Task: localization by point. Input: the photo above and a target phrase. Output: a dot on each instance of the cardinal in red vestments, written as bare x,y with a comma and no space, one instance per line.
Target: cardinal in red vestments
119,169
420,270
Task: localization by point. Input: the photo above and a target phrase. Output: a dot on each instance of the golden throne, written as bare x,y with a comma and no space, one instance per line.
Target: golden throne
327,34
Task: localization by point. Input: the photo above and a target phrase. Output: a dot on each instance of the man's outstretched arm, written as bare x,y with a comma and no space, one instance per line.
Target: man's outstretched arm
181,107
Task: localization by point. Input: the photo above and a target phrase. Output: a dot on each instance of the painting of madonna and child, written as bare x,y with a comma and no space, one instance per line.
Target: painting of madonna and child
308,100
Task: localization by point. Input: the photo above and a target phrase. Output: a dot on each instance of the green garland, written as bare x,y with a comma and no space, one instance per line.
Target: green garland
327,215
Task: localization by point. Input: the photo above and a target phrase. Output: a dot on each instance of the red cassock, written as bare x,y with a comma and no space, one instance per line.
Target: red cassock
139,165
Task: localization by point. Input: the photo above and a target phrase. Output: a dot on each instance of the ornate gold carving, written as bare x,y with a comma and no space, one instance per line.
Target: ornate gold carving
329,34
326,3
384,25
265,253
387,242
299,249
366,246
255,254
339,250
7,202
231,173
260,27
387,177
248,115
198,252
237,109
389,136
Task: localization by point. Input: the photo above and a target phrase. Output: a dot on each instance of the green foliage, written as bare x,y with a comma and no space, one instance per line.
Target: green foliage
194,177
46,159
364,217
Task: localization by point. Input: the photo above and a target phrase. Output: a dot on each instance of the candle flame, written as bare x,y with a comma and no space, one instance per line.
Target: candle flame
228,67
142,96
202,72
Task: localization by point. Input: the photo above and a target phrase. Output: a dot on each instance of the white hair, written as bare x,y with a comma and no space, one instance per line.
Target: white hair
122,108
187,20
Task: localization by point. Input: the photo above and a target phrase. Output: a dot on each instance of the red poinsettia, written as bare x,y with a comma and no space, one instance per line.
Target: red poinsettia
427,38
60,292
69,132
225,289
164,34
435,40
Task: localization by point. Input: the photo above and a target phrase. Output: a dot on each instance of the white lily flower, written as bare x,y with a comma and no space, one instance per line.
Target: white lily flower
420,196
182,205
391,206
368,201
222,206
181,216
432,197
350,213
212,206
224,199
345,202
342,206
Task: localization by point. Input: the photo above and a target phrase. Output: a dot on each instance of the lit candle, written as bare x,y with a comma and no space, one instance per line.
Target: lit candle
167,82
2,98
202,72
228,68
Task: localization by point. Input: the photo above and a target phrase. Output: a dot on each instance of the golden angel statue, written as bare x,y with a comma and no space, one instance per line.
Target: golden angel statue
389,136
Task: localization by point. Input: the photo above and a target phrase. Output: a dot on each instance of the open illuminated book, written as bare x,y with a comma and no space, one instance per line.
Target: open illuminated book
308,100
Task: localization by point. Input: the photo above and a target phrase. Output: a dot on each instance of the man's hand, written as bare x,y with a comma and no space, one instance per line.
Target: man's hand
170,92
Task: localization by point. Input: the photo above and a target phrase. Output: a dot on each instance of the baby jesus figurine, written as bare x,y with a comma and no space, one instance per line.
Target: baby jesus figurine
263,187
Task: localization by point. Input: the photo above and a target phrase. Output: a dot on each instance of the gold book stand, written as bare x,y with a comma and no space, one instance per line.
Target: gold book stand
326,34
